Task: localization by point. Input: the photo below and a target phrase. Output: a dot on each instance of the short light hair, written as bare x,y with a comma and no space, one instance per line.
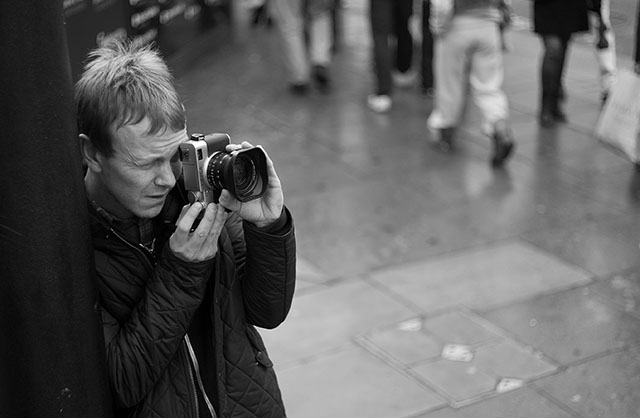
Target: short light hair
123,83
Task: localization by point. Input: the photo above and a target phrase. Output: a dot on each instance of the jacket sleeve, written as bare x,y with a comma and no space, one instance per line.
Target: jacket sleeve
139,349
269,272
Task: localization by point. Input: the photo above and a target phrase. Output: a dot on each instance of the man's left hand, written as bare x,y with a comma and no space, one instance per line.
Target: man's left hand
262,211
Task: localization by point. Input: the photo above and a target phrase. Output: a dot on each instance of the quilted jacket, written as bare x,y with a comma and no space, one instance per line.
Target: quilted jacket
157,308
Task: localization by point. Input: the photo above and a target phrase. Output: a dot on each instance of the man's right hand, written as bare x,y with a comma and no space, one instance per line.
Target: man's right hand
202,243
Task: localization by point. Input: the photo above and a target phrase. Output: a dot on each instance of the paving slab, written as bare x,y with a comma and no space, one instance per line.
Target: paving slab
522,403
569,326
353,383
477,280
623,289
459,355
604,387
329,318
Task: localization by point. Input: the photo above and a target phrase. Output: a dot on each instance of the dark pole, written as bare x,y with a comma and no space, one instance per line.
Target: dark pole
51,345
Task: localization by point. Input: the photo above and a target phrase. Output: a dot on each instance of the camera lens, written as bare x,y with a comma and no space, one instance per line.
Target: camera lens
238,174
244,174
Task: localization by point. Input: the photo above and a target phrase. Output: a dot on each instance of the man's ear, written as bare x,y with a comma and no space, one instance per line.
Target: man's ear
90,153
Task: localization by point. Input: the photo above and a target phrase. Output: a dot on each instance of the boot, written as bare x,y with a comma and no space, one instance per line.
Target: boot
503,144
445,140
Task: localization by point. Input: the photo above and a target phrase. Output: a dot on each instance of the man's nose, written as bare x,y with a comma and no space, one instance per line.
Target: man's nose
165,176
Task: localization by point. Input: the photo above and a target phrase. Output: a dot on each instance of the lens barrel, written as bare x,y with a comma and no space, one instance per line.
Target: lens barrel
242,173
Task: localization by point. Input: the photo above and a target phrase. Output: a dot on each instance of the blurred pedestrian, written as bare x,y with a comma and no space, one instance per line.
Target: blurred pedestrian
605,44
260,13
555,21
295,19
390,26
468,51
426,59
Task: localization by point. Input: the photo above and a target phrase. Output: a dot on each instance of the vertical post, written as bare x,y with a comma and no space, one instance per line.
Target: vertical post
51,345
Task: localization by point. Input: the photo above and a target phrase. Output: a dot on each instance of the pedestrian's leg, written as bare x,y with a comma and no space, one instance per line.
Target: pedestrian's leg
320,34
450,66
606,51
380,19
402,11
551,76
290,24
486,75
426,62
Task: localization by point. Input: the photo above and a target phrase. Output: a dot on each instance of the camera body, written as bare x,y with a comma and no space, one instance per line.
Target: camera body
207,169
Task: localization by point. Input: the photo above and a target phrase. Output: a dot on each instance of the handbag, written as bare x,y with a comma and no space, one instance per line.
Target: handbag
619,121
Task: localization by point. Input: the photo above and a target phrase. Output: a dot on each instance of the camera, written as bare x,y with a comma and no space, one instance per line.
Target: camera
207,168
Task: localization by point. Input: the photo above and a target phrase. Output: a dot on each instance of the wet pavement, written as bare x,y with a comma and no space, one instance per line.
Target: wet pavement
429,284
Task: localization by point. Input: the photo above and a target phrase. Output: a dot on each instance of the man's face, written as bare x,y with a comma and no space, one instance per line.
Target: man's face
141,171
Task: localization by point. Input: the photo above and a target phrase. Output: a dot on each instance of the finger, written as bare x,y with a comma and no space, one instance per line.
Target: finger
207,220
188,217
227,200
233,147
246,144
209,247
220,217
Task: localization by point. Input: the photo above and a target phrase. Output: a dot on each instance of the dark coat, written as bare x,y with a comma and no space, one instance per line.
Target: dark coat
149,303
560,17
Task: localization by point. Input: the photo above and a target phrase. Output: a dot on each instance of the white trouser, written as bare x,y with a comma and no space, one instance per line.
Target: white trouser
469,50
289,17
290,24
606,57
320,34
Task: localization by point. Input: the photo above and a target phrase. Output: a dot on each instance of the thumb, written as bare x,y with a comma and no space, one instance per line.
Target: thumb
228,201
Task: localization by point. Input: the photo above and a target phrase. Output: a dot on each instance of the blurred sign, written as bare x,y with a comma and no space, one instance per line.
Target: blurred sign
171,24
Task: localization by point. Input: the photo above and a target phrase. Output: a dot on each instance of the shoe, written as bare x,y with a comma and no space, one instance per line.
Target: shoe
442,138
299,89
445,140
559,115
403,80
603,98
428,92
321,77
503,147
379,103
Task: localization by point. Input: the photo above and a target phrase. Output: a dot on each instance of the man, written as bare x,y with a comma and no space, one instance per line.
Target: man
178,301
469,50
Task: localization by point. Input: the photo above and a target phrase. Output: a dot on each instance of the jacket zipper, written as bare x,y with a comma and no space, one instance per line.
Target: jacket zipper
149,255
193,384
196,369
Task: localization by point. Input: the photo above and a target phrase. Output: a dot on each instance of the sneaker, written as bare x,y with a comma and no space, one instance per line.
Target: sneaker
442,138
403,80
321,77
503,146
299,89
379,103
428,92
